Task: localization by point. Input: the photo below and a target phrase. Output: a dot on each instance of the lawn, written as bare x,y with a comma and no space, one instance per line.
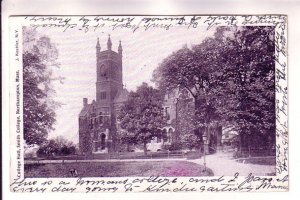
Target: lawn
259,160
117,169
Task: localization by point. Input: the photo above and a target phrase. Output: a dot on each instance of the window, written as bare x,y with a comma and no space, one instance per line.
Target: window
102,95
103,70
165,136
170,135
100,118
167,113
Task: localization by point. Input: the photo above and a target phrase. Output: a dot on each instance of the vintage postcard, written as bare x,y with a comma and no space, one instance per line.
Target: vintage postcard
185,103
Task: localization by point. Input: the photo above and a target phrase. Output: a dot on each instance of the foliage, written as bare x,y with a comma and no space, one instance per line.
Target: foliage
248,90
141,116
231,79
176,146
192,141
57,146
49,149
39,57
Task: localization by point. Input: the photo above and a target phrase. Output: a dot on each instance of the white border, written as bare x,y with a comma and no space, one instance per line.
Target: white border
289,7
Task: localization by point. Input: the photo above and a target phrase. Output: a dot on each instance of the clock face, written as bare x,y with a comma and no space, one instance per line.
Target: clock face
104,71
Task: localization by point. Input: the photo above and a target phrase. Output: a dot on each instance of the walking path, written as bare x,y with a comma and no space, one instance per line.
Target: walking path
222,164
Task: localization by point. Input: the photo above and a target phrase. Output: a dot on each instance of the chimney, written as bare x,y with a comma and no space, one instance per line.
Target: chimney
85,101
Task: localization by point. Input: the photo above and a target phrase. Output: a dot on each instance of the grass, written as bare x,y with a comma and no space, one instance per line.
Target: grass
259,160
117,169
127,155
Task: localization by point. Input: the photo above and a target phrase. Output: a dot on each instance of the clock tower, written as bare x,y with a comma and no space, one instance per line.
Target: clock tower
98,119
109,74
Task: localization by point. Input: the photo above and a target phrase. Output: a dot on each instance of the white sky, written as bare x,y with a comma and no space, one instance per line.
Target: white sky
142,53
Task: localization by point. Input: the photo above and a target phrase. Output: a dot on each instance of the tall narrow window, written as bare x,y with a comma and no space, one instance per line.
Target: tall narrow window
102,95
167,113
100,119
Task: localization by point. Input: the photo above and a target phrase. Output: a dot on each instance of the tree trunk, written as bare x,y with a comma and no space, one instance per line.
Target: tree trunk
145,148
127,147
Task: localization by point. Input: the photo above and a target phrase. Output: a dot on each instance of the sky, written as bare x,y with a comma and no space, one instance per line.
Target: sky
143,51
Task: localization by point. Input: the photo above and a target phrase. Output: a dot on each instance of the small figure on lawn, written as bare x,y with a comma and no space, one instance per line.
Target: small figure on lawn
73,172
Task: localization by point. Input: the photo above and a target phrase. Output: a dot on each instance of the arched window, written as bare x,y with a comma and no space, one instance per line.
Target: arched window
103,138
165,135
170,134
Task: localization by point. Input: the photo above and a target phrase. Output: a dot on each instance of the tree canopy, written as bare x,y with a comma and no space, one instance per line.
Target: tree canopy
141,116
231,78
57,146
39,57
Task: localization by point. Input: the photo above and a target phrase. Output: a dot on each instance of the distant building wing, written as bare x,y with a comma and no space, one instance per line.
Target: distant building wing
121,96
85,110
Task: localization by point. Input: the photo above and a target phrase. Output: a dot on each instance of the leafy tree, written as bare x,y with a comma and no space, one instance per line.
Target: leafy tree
192,141
48,149
39,57
65,150
63,142
142,115
248,89
193,70
57,146
128,139
231,78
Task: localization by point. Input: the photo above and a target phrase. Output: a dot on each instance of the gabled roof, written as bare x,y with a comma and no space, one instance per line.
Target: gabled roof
121,96
87,109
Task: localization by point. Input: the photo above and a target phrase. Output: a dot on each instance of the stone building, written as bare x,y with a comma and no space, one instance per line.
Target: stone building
97,120
98,124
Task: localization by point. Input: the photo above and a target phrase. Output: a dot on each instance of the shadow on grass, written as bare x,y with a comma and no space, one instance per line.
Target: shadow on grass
258,161
118,169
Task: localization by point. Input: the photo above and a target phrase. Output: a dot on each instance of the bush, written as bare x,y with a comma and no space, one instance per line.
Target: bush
54,148
173,147
51,148
67,150
192,141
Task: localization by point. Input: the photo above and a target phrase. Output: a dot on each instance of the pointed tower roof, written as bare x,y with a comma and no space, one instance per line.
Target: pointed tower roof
109,44
98,47
120,47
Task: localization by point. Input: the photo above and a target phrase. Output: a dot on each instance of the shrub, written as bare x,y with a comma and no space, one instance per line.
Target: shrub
192,141
176,146
65,150
56,147
49,149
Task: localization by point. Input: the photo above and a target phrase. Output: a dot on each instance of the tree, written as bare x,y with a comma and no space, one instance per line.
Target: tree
194,70
39,57
48,149
141,116
248,88
61,142
57,146
231,78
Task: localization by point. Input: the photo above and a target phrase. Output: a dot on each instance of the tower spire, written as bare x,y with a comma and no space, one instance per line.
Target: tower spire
120,48
109,44
98,47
